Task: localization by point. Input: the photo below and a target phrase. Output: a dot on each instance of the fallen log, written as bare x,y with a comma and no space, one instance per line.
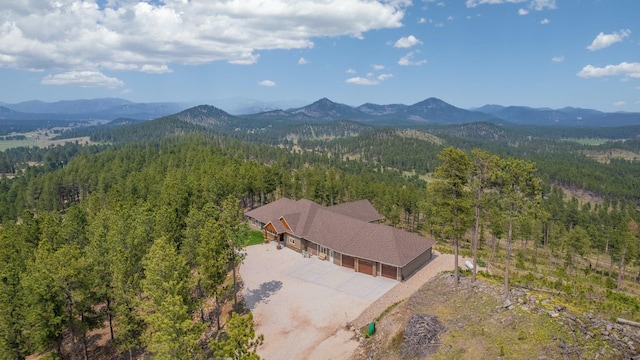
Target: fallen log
627,322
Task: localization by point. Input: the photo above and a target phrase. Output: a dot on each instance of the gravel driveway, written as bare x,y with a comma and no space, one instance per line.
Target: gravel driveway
302,305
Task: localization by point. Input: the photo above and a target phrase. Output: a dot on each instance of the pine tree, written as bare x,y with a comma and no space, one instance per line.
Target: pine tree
239,342
519,189
171,333
451,199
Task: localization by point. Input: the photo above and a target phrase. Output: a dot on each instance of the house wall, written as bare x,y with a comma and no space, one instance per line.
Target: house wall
293,242
415,264
271,236
337,258
311,247
255,224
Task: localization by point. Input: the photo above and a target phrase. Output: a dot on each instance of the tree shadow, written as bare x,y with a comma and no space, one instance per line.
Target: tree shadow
261,295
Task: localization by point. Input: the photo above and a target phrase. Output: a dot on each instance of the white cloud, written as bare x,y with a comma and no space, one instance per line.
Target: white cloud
247,59
545,21
267,83
369,80
407,42
378,67
474,3
619,103
422,21
83,79
137,35
362,81
542,4
441,4
622,69
605,40
557,58
449,18
533,4
302,61
407,60
523,12
155,69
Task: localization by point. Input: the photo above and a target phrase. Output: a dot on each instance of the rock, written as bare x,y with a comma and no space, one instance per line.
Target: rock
545,301
507,303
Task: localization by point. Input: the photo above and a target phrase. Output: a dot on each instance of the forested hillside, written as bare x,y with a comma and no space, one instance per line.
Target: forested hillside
147,225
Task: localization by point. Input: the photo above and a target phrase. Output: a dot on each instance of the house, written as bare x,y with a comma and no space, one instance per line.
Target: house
347,235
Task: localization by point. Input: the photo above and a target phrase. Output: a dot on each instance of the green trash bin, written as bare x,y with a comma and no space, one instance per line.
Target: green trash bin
372,328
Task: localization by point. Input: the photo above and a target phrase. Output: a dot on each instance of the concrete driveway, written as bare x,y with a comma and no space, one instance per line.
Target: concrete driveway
302,305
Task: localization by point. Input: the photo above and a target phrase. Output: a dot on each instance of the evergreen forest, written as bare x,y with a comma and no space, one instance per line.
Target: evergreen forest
140,231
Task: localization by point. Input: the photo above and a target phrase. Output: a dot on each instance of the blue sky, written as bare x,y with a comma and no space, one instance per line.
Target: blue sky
538,53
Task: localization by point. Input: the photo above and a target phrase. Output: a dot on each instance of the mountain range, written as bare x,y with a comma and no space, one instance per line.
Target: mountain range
83,110
431,111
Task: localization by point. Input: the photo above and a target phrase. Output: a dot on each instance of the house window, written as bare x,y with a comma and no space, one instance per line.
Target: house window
292,240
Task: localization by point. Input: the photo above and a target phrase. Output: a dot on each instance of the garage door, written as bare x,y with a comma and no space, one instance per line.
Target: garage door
347,261
365,267
389,271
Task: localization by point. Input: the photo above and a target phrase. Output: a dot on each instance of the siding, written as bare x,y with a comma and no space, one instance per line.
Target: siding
337,258
415,264
293,242
312,247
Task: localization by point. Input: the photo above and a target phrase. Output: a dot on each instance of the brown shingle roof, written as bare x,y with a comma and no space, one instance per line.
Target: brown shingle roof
271,211
361,210
350,235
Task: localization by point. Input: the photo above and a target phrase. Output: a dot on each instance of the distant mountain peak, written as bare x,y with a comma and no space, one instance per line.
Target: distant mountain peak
325,109
206,115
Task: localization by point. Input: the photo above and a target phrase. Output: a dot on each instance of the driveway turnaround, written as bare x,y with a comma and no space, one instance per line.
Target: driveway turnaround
342,279
302,305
